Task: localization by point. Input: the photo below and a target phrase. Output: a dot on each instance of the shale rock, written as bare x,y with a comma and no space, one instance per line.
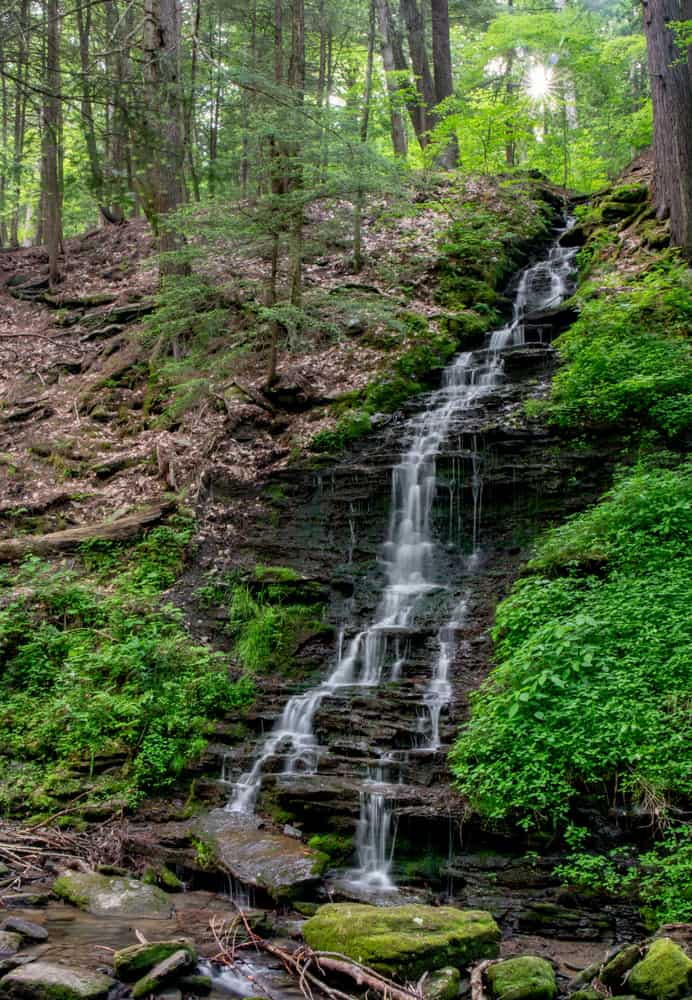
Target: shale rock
27,928
131,963
50,981
665,973
404,941
280,866
112,896
523,978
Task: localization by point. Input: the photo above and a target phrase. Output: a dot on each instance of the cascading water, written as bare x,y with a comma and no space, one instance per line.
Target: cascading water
378,652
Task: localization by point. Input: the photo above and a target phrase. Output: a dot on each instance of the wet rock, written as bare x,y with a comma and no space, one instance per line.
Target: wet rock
565,923
281,867
523,978
27,929
404,941
9,942
131,963
50,981
614,971
169,968
14,962
196,985
443,984
107,896
665,973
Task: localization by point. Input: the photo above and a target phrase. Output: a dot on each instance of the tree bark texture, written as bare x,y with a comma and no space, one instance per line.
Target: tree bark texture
671,90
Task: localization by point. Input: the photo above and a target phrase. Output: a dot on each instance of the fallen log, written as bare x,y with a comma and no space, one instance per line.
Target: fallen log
118,530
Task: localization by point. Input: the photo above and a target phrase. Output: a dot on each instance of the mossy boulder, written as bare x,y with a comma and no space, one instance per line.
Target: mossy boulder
523,978
665,973
131,963
170,968
50,981
443,984
588,993
404,941
107,895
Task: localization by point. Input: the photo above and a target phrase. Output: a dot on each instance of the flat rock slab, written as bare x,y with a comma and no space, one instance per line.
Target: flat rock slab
112,896
283,867
49,981
404,941
27,928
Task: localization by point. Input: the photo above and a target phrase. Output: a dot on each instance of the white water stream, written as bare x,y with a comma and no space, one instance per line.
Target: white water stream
376,653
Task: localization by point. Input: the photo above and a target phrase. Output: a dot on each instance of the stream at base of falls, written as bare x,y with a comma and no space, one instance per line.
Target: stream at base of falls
377,654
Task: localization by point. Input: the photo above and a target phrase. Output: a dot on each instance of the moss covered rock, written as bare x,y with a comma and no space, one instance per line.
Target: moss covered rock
170,968
665,973
50,981
443,984
404,941
106,896
523,978
131,963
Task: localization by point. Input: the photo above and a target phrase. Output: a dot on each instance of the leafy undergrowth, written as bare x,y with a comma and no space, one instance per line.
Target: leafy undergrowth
661,877
102,691
627,361
590,698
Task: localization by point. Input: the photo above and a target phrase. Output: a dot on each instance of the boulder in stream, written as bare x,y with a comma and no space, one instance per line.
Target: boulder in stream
27,928
131,963
404,941
524,978
112,896
50,981
170,968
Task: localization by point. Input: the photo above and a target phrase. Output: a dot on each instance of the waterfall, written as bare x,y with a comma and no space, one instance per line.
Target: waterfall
378,653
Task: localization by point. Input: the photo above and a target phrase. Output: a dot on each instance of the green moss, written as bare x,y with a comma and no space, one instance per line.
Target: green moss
404,941
443,984
664,974
523,978
336,847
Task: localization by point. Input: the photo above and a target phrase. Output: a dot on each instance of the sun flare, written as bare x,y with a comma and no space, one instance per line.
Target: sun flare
539,82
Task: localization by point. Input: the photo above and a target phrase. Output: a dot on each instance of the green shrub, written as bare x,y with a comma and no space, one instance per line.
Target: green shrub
267,630
661,877
591,693
628,360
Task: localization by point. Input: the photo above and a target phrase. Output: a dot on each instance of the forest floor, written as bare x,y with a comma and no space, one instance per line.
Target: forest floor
87,428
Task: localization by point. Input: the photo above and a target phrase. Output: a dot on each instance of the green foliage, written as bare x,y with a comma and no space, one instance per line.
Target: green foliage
267,626
590,695
628,360
660,877
90,670
336,847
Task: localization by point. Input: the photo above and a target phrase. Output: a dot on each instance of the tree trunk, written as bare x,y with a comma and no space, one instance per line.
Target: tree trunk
83,12
422,116
296,81
442,68
52,187
671,90
398,126
364,123
164,159
19,118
